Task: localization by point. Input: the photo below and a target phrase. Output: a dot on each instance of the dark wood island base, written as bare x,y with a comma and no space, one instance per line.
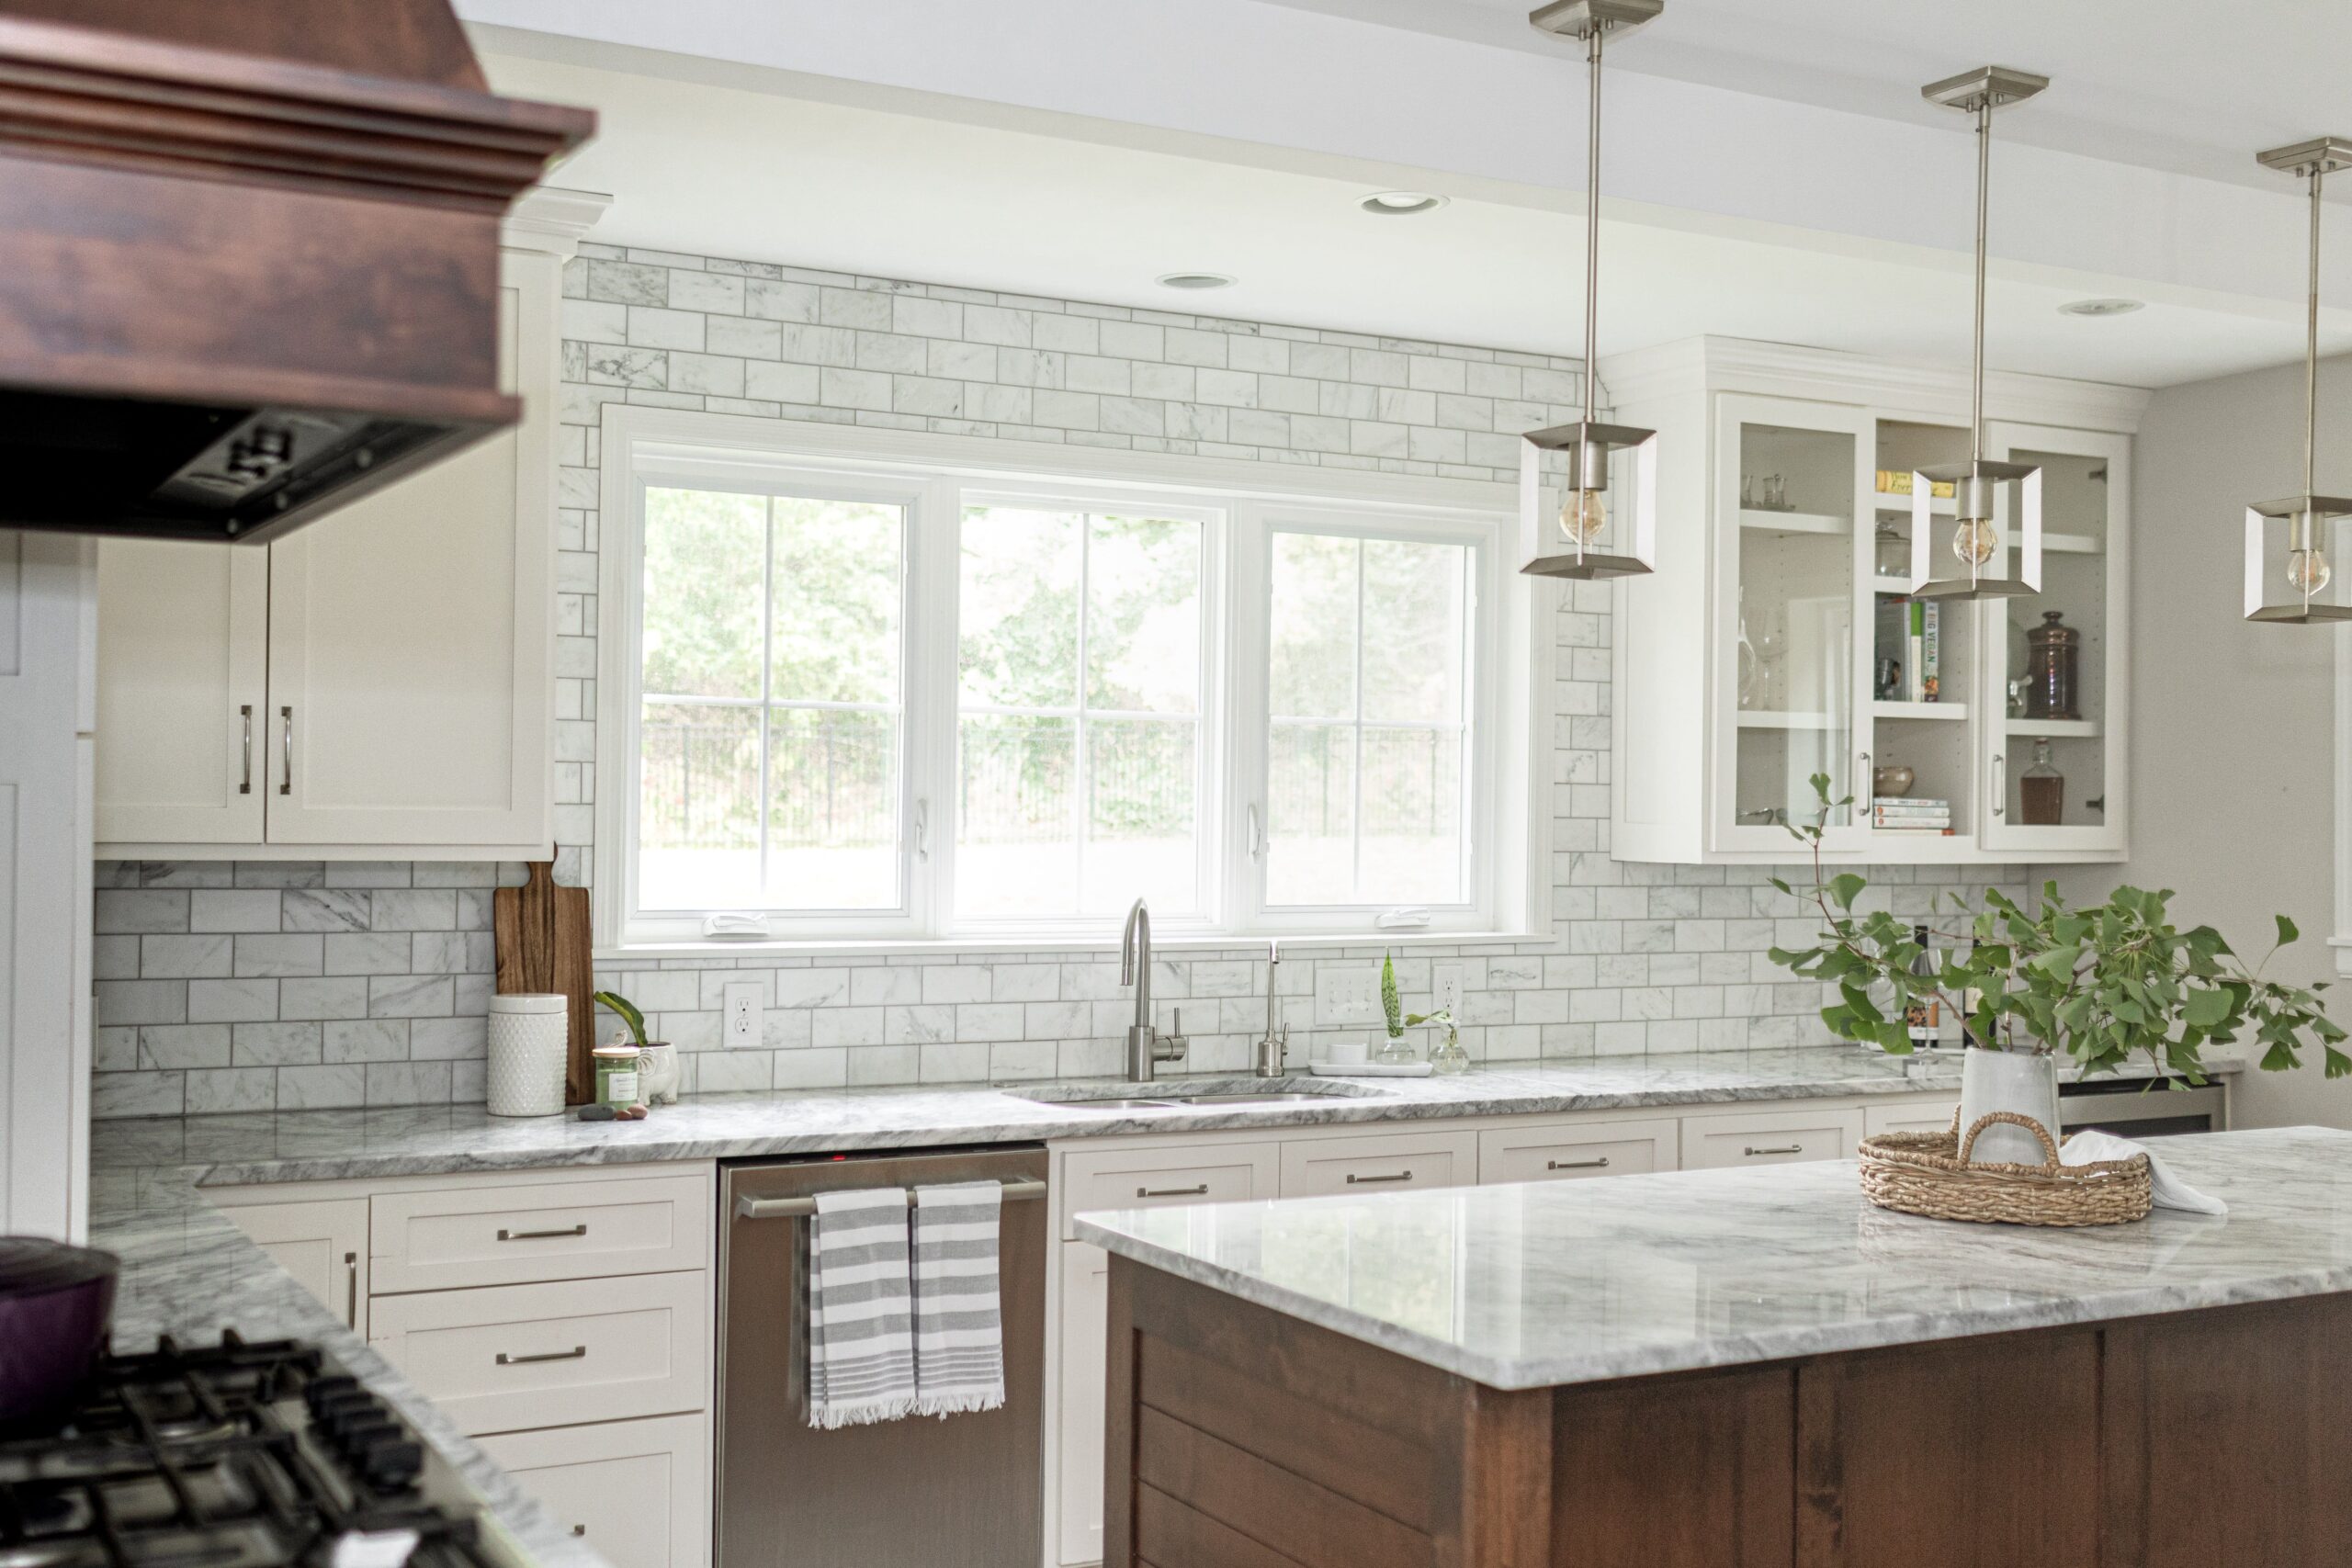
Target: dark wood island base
1242,1438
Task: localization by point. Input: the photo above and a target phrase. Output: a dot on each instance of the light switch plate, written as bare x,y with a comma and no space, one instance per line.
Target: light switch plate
1446,983
1346,994
740,1024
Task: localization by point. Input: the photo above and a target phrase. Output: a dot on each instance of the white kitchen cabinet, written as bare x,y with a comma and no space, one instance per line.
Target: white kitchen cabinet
183,692
324,1245
378,685
1787,1135
1909,1116
638,1492
1080,1402
1771,642
1579,1150
1386,1162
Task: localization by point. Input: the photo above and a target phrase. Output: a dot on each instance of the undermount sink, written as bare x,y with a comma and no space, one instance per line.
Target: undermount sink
1177,1095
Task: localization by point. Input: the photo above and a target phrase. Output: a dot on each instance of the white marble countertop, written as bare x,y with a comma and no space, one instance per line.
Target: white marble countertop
318,1146
1547,1283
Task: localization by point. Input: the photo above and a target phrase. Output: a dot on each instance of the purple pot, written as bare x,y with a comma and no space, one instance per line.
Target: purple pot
55,1302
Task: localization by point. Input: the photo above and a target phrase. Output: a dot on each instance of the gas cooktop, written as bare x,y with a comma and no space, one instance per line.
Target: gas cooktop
236,1456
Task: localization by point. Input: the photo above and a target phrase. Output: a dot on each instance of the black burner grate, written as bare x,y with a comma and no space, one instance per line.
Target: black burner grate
229,1456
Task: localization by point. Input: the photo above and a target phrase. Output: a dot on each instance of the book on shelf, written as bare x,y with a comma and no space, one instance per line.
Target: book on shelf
1897,481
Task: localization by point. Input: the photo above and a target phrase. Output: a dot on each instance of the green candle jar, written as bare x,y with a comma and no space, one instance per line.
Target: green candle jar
617,1078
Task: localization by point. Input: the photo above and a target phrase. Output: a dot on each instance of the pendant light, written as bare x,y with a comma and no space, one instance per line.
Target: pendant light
1583,516
1978,550
2313,521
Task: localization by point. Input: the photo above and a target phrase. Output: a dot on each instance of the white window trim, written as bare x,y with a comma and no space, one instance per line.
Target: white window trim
1517,708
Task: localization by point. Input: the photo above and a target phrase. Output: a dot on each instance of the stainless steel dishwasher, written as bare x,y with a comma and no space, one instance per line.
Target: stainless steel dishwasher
918,1492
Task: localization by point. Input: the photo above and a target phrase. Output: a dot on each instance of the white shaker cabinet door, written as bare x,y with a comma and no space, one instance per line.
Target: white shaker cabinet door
410,635
182,681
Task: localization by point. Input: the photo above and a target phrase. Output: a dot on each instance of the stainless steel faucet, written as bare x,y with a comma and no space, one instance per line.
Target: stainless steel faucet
1271,1050
1147,1048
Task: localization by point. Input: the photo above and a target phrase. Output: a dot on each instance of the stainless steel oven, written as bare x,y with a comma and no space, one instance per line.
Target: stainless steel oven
2134,1108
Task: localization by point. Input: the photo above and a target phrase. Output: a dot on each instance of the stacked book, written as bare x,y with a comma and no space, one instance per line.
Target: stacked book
1904,813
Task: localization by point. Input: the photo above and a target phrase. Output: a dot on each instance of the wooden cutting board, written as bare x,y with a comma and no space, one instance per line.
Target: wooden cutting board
540,935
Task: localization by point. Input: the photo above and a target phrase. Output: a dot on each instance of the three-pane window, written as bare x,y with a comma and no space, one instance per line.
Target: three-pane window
929,706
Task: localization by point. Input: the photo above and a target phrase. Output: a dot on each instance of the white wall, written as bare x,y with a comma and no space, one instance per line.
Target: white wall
2234,734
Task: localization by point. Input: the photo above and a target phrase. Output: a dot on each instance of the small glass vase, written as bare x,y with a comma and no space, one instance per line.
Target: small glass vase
1396,1051
1450,1057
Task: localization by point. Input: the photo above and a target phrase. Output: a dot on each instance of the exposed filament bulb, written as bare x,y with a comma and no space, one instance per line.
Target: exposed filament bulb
1583,516
2307,571
1974,541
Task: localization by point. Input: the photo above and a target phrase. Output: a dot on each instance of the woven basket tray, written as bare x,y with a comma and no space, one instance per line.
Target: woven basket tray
1931,1174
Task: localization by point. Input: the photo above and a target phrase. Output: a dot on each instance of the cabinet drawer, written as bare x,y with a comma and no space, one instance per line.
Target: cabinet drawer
1151,1179
636,1491
1589,1148
1768,1137
513,1235
513,1356
1910,1116
1315,1167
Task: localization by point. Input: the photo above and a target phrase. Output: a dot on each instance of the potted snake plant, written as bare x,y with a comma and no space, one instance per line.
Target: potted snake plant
657,1062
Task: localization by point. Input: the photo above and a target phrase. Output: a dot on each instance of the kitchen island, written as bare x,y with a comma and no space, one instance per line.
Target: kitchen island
1742,1368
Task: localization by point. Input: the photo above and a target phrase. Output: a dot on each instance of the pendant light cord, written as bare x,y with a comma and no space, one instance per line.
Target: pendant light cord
2310,342
1592,225
1983,183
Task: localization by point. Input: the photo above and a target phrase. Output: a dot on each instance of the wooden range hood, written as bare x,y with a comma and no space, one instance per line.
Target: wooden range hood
248,256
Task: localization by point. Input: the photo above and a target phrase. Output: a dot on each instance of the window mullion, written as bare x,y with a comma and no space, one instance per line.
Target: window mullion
1355,824
1083,777
767,682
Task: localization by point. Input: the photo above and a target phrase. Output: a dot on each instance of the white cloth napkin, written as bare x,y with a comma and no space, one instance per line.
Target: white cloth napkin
959,1325
2169,1192
861,1335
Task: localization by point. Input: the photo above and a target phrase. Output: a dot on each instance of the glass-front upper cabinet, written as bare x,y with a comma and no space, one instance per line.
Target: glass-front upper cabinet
2054,776
1790,476
1923,661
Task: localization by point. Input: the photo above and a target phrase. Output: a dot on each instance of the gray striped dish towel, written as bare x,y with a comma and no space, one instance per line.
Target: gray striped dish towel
861,1334
959,1329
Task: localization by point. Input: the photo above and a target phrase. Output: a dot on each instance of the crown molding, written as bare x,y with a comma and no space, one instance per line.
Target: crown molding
1931,393
552,218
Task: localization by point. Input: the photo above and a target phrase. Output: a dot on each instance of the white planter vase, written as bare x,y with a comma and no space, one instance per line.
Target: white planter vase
2022,1081
657,1073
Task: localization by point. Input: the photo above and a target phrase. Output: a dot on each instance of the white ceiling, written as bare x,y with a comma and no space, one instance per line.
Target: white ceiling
2195,87
825,173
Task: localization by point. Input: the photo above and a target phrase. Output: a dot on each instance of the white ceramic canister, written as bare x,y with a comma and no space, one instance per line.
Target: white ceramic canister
2022,1081
529,1037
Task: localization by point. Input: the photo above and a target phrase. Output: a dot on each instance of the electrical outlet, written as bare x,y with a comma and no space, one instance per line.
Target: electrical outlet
1447,985
742,1020
1346,995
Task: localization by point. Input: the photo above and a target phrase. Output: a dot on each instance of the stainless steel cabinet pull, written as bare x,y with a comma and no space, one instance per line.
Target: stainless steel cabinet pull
1600,1164
351,1289
1752,1151
285,779
581,1229
1355,1180
574,1354
245,785
2000,784
1172,1191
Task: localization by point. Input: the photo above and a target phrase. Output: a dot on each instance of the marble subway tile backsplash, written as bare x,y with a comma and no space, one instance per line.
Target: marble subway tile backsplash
200,1009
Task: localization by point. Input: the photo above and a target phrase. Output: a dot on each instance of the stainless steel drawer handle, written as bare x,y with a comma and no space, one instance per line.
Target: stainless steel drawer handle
1201,1190
285,779
580,1530
1752,1151
1355,1180
576,1353
245,785
351,1289
581,1229
1600,1164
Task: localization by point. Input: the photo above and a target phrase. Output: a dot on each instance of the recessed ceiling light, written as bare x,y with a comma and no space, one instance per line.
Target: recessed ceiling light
1400,203
1196,280
2102,307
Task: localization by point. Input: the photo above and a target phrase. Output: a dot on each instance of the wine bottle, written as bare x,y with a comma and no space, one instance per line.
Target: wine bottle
1921,1015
